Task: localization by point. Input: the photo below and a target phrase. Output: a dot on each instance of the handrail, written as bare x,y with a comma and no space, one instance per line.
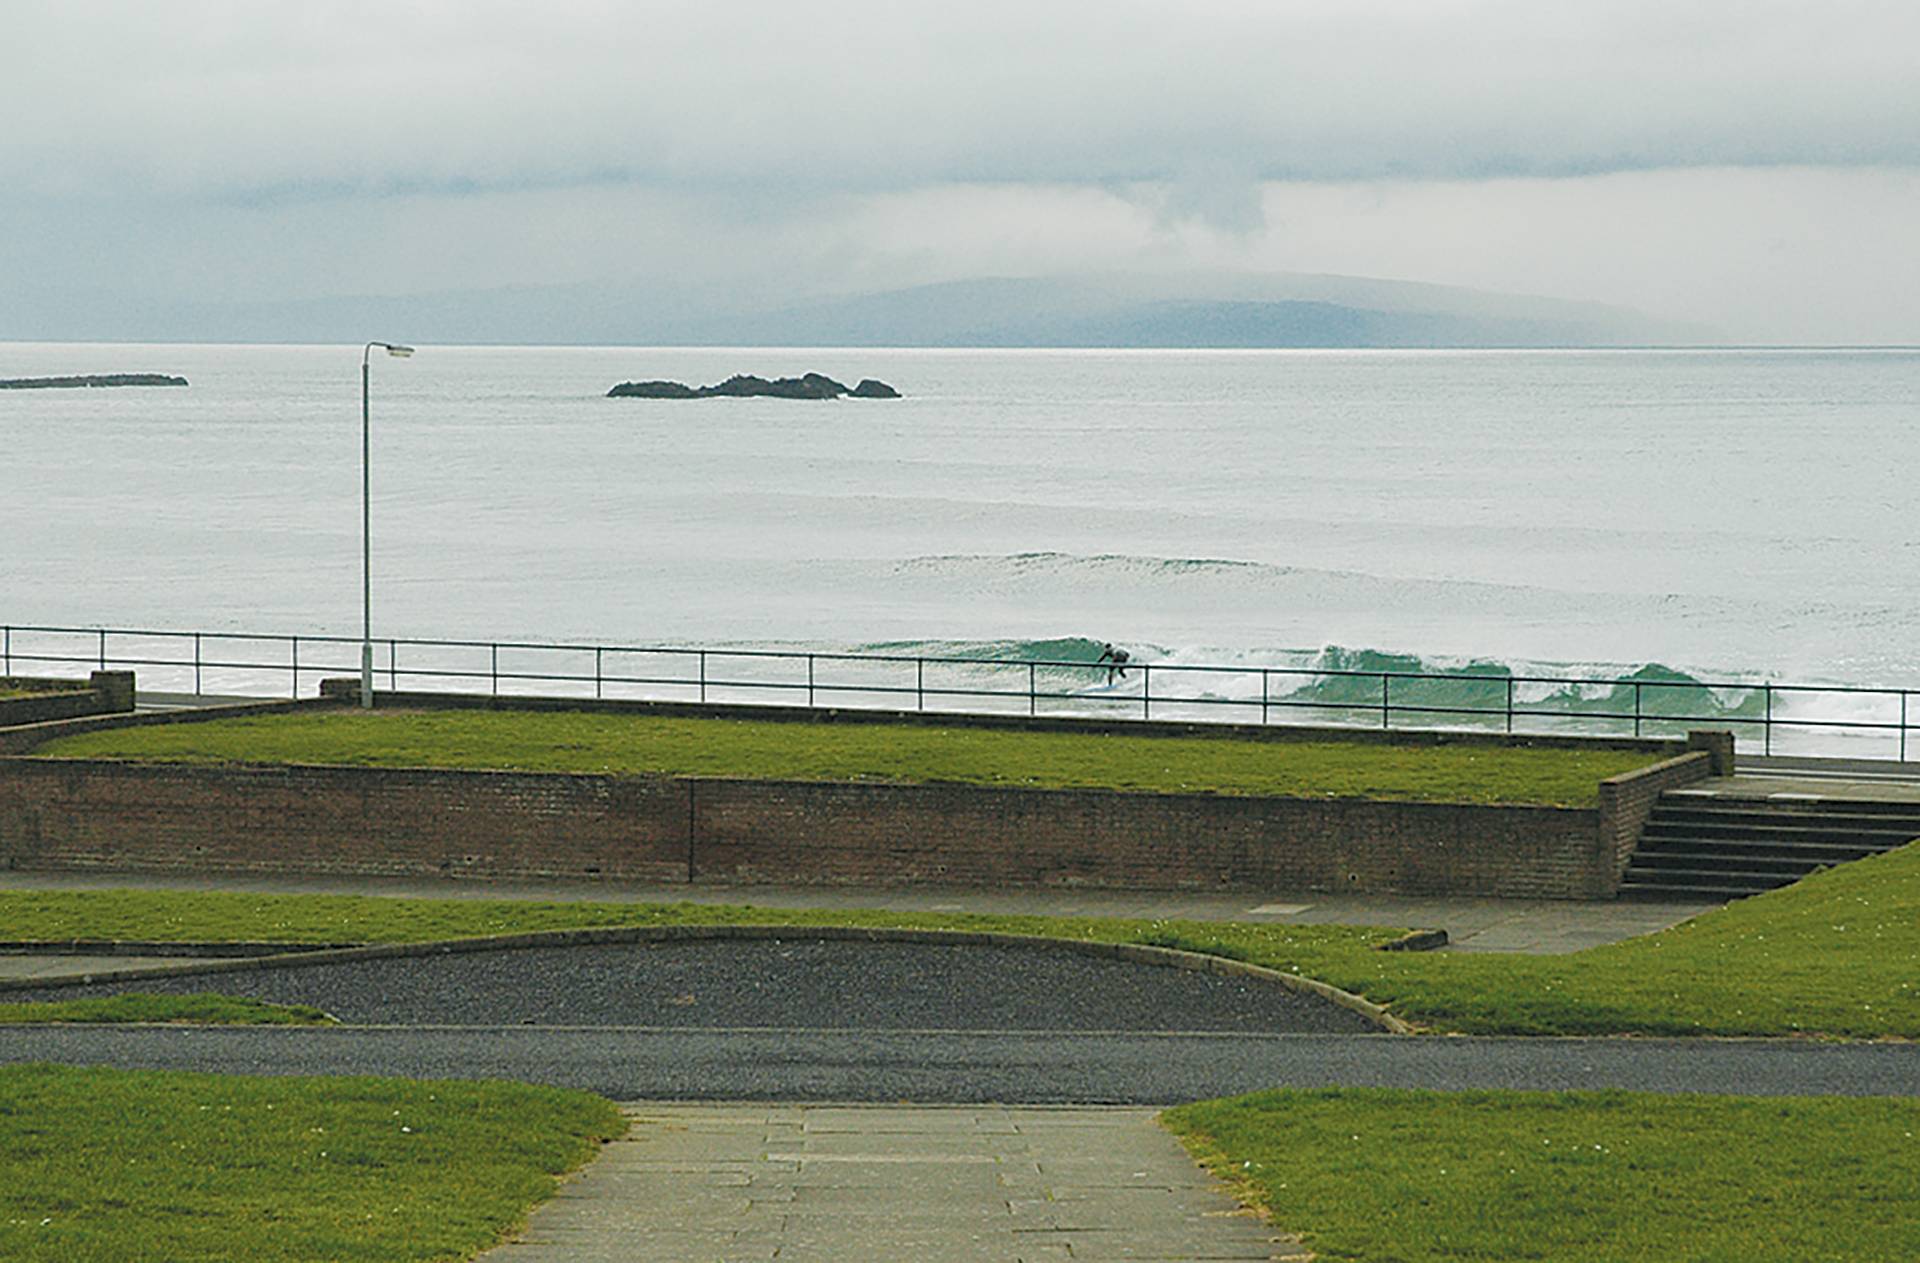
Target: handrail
299,661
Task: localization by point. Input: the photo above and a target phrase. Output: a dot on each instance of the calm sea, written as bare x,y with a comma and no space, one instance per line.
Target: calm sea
1728,514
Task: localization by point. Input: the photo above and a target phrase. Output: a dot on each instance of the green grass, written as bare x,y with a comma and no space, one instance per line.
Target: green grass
111,1165
11,688
575,741
1837,954
205,1009
1422,1177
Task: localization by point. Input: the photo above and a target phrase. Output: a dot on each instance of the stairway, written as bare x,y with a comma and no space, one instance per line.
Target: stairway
1721,846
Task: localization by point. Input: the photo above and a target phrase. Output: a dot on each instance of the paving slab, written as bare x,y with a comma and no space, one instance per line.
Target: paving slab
690,1183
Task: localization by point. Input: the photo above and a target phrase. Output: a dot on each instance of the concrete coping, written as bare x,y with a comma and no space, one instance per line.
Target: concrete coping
1139,953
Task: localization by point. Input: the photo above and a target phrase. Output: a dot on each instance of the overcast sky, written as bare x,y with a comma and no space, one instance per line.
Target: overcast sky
1745,164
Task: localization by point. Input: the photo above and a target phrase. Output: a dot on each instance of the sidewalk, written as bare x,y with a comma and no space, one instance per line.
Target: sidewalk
935,1185
1483,925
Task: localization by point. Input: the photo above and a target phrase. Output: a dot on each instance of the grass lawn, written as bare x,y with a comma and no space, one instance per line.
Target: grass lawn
1836,954
206,1009
1412,1177
112,1165
575,741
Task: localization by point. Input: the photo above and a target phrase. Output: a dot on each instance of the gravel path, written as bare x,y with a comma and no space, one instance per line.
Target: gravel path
1035,1068
772,983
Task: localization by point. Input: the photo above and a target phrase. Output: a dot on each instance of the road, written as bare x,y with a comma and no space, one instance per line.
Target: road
959,1066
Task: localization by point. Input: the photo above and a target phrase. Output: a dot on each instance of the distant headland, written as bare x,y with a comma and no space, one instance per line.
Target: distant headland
744,386
102,379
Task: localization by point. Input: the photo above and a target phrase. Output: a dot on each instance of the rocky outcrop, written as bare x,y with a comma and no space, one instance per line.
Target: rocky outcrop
103,379
652,390
747,386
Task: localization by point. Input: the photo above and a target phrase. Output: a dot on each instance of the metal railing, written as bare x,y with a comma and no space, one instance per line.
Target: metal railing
218,663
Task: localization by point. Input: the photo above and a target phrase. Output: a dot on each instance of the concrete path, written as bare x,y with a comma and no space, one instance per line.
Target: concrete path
1491,925
692,1183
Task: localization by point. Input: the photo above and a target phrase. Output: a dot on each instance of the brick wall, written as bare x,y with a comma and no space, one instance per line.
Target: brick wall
1627,800
105,692
758,831
79,814
82,813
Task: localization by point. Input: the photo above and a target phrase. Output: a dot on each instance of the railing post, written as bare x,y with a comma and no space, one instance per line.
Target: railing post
1033,700
493,666
196,664
596,673
296,668
703,675
1903,725
103,649
1386,698
1146,692
919,683
1509,705
393,666
1636,708
1766,731
9,650
809,681
1263,696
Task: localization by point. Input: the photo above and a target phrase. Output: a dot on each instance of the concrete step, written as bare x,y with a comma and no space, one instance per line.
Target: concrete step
1712,877
1664,836
1636,890
1747,818
1688,860
1777,806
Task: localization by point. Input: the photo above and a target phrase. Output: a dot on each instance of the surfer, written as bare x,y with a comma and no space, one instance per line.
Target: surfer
1117,658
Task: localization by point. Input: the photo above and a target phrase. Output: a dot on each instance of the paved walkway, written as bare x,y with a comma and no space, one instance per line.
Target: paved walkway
1488,925
813,1182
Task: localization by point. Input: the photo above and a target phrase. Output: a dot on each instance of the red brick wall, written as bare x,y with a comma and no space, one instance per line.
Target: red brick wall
106,692
77,813
756,831
1627,800
68,814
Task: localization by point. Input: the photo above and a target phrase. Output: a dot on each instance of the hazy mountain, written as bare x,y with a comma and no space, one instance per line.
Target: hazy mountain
1188,309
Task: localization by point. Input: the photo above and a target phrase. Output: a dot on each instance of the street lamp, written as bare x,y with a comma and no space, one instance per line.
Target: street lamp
366,522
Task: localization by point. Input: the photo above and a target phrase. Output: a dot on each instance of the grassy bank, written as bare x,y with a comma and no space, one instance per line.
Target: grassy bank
1414,1177
206,1010
1836,954
573,741
110,1165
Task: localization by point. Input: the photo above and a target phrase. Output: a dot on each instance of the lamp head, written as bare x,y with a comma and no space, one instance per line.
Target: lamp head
399,352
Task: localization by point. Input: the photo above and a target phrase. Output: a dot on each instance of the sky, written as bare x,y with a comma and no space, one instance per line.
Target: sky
1747,166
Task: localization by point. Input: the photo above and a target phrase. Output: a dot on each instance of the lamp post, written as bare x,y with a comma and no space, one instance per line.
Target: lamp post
366,521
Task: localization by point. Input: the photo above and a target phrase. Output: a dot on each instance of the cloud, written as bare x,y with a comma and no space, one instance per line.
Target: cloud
282,101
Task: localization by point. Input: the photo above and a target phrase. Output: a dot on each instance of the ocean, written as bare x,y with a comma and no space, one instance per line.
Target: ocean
1728,515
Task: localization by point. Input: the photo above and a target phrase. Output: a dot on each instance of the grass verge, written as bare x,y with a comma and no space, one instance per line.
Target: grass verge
209,1009
111,1165
1837,954
1419,1177
574,741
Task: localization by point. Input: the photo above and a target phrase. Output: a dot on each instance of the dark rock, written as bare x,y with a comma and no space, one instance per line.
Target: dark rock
103,379
747,386
811,386
651,390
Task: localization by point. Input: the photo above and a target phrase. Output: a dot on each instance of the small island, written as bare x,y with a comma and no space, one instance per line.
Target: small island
102,379
746,386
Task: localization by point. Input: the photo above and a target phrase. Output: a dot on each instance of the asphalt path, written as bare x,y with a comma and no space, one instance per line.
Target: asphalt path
807,1020
970,1066
784,982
